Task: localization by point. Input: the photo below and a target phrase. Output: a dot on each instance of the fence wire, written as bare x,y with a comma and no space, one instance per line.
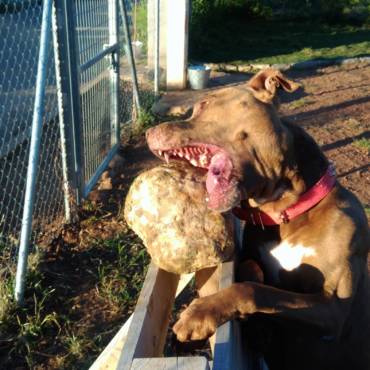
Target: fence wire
93,34
96,23
137,11
20,23
99,58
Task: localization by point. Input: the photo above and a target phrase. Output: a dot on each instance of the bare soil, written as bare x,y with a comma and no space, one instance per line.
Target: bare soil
334,108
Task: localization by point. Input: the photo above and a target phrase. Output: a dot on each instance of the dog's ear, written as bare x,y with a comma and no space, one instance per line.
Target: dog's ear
198,108
266,83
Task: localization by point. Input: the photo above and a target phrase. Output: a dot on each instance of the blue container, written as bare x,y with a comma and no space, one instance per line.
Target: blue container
198,76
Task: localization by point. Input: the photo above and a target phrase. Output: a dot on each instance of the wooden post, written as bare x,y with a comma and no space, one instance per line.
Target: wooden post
173,41
151,31
147,333
177,43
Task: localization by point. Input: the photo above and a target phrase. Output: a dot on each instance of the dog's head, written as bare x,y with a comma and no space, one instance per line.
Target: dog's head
236,136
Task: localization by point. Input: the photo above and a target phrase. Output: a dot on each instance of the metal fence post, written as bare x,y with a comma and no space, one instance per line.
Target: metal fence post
129,53
114,71
67,181
33,160
68,89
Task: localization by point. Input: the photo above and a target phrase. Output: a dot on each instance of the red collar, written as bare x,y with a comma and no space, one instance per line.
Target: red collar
306,201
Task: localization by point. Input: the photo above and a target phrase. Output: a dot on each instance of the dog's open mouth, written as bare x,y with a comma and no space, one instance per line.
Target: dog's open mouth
221,183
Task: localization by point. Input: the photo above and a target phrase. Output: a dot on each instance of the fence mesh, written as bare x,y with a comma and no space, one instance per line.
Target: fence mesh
137,12
92,21
20,26
20,23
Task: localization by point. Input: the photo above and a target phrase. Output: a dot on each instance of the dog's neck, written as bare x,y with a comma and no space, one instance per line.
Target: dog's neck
308,166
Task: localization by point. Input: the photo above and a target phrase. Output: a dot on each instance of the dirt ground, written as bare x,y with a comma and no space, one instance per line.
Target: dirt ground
334,107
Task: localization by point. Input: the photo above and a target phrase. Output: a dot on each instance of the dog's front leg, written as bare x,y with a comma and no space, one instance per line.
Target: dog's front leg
204,315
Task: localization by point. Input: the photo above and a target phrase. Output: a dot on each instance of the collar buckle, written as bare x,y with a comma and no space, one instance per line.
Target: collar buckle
284,217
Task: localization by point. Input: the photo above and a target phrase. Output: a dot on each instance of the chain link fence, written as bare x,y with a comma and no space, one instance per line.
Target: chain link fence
20,25
137,11
84,103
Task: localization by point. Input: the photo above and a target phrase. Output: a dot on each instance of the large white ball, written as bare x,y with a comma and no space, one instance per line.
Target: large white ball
166,207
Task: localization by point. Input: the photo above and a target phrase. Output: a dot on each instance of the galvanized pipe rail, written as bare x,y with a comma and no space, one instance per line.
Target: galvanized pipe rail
34,153
130,57
88,113
108,50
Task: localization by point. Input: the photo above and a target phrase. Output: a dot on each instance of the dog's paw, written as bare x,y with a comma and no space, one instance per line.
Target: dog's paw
198,321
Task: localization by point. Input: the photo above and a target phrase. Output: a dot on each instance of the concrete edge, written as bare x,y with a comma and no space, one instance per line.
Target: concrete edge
309,64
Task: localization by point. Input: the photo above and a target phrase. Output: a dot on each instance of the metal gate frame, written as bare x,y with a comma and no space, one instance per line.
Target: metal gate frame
59,22
66,46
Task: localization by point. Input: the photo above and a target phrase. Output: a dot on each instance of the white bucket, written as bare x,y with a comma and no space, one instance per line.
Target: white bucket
137,49
198,76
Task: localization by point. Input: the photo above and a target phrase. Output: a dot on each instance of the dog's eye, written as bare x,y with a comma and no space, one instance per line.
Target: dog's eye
242,135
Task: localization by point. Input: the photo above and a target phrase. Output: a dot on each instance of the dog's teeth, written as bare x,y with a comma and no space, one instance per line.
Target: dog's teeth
160,152
180,154
194,162
187,156
166,157
203,160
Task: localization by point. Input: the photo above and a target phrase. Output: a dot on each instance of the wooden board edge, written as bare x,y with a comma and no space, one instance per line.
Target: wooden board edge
108,359
147,332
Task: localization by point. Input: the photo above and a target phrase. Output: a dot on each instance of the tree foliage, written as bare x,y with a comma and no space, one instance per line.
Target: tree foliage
280,8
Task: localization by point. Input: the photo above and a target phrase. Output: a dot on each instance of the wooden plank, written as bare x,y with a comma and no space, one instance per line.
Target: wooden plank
207,283
207,280
171,363
177,43
229,352
160,363
147,333
108,359
192,363
224,344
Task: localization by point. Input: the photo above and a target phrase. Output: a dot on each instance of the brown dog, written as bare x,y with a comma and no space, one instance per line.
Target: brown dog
315,293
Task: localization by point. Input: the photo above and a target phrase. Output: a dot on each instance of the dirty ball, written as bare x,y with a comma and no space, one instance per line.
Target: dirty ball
166,207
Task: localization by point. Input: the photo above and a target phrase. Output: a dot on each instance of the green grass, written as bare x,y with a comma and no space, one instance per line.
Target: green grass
51,324
363,144
140,28
367,210
269,42
117,283
300,102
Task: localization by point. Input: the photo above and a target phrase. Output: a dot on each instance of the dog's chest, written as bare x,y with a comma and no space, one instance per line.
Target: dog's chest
285,256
